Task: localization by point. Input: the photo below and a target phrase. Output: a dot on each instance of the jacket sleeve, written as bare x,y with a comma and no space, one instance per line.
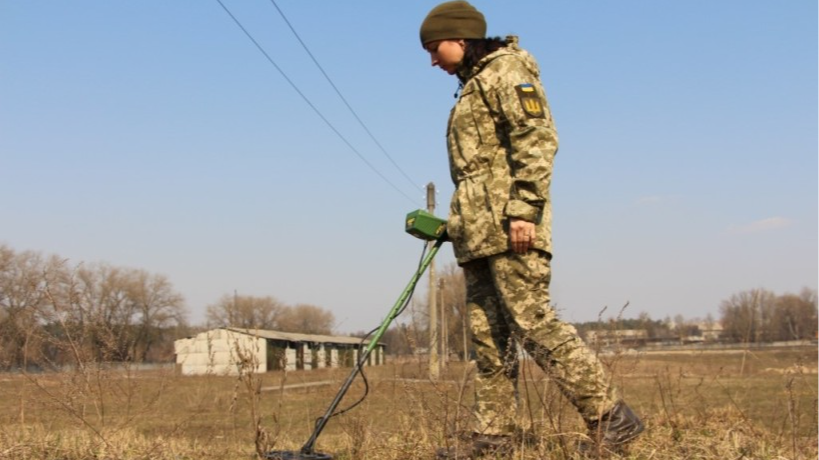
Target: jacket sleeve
531,136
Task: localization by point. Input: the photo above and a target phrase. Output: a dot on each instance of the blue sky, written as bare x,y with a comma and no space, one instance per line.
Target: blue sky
155,135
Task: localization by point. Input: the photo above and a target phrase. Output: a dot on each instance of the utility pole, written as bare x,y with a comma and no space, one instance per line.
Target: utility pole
444,325
235,314
434,363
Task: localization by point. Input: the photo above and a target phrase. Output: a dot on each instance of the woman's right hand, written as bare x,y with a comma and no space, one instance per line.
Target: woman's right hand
521,235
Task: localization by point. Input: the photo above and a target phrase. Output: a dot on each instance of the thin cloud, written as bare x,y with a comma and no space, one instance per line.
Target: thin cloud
764,225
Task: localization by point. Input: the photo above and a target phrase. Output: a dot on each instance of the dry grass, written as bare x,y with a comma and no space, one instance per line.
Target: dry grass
721,405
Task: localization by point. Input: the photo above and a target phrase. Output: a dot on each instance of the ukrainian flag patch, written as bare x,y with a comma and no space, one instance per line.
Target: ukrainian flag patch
530,100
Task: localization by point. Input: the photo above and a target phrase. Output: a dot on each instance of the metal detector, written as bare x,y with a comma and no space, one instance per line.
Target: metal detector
422,225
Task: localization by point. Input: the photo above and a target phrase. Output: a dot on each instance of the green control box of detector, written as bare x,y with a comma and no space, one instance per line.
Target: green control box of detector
424,225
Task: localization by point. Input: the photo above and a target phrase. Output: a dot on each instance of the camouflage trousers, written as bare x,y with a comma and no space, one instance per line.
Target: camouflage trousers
508,304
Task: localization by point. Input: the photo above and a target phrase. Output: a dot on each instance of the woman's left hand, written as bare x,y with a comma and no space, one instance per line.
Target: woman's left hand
521,234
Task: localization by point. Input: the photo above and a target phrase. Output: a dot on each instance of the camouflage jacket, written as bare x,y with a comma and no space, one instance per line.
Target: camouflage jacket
501,142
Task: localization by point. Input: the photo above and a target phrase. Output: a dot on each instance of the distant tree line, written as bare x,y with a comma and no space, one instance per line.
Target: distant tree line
53,314
250,312
759,315
753,316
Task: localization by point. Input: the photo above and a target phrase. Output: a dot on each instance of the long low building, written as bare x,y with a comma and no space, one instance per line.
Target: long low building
228,350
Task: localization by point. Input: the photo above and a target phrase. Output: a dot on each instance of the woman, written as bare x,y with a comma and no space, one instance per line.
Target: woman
501,142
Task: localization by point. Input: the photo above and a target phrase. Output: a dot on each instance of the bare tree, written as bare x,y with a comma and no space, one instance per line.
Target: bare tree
748,316
795,317
246,312
50,314
21,300
655,329
307,319
160,308
680,327
397,339
106,312
122,313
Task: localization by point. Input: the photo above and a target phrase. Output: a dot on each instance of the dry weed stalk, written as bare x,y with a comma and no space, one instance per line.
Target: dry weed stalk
103,396
248,364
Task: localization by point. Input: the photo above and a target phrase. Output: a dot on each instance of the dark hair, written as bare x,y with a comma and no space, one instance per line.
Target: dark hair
478,48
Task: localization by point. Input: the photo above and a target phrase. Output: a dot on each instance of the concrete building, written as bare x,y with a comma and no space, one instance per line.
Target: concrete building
225,351
711,331
624,337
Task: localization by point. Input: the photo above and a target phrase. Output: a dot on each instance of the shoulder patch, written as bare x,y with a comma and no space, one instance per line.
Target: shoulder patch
530,100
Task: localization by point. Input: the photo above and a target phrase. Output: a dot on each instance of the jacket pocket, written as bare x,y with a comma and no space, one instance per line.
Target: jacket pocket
476,222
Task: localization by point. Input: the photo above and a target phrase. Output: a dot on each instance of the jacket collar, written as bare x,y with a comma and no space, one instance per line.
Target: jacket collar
464,74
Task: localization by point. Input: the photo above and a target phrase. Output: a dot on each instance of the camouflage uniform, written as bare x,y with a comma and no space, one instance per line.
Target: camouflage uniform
502,143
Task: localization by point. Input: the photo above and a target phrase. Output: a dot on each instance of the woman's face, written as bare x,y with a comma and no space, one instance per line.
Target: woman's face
446,54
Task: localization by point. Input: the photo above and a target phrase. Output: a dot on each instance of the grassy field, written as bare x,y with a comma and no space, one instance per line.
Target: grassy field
696,405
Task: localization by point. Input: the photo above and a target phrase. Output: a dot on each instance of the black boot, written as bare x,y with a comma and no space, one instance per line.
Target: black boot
477,446
615,428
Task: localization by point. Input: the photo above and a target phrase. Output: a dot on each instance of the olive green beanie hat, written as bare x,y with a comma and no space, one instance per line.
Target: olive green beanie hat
451,20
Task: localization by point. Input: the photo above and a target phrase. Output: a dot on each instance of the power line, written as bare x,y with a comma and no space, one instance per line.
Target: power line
312,106
343,99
